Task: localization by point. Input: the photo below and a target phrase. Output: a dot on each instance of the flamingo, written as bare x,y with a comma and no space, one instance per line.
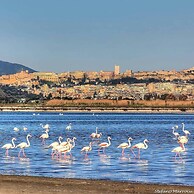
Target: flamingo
15,129
73,145
182,140
185,131
139,146
125,145
104,144
93,135
9,146
87,149
98,135
175,133
64,150
24,145
178,150
45,136
69,126
55,144
64,143
25,128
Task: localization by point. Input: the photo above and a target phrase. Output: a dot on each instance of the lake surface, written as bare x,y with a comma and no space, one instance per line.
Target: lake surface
156,165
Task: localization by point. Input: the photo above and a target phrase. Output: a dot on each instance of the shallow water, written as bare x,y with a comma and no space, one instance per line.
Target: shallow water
156,165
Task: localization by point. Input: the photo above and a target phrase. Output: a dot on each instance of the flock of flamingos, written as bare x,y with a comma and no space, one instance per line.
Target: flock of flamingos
60,149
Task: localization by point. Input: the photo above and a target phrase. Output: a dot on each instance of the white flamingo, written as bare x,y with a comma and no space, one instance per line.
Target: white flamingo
69,126
104,145
45,136
24,145
9,146
123,146
65,150
16,129
73,140
186,132
87,149
56,149
182,140
25,128
56,143
176,134
139,146
178,150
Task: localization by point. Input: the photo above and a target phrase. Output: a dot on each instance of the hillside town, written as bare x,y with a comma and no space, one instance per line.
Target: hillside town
164,85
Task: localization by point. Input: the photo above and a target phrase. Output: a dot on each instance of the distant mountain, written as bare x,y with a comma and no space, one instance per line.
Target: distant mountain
12,68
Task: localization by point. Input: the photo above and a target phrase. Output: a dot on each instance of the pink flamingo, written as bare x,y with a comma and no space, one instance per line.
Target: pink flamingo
104,145
93,135
140,146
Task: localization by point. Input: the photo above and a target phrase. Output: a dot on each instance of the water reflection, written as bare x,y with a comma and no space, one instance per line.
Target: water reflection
123,159
68,161
142,165
105,159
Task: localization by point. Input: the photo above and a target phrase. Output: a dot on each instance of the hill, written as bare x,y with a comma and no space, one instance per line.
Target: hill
12,68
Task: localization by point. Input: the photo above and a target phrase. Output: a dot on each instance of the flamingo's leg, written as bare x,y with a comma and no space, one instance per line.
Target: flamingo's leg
123,152
139,153
133,152
175,155
6,153
19,153
24,153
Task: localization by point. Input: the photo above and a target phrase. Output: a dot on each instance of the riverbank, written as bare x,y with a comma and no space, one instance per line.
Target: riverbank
41,185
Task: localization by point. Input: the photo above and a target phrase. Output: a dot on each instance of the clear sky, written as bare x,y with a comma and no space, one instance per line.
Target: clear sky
94,35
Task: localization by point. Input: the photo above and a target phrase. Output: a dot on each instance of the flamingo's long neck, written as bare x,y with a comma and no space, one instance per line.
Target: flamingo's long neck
47,133
60,140
183,127
109,141
28,142
146,145
182,146
73,143
13,143
129,142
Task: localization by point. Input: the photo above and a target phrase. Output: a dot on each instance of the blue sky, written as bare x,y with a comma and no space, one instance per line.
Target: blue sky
89,35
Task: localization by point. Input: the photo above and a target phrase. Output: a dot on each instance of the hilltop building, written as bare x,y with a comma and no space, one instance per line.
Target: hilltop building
117,70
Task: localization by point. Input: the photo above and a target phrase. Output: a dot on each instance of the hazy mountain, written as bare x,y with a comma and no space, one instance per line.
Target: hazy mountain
12,68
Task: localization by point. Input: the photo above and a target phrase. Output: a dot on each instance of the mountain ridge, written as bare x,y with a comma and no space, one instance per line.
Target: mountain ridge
7,68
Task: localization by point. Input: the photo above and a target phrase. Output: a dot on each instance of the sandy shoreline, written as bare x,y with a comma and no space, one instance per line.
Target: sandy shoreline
41,185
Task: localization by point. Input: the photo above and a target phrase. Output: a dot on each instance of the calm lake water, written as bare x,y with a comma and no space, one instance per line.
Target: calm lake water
156,165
